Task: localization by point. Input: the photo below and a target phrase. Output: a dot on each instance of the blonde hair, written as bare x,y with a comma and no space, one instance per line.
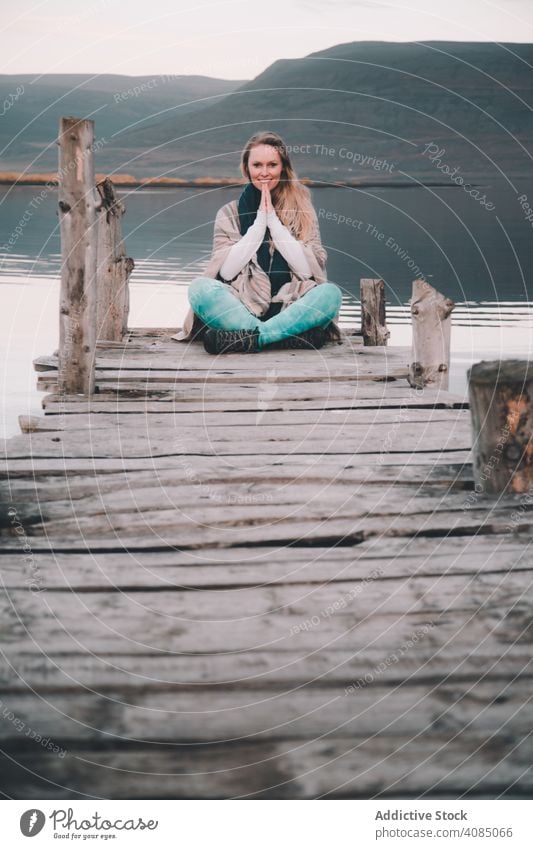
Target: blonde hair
290,198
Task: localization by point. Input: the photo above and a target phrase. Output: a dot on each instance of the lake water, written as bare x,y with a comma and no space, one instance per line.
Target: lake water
481,258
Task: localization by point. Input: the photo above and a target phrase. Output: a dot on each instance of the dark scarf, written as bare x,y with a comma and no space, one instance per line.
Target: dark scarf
247,206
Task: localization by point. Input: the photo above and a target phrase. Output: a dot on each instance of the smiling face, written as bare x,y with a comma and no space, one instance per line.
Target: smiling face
264,165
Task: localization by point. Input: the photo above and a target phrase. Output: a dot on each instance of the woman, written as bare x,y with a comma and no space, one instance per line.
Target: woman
265,284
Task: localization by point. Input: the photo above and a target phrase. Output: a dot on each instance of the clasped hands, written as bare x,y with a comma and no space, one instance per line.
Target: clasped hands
266,200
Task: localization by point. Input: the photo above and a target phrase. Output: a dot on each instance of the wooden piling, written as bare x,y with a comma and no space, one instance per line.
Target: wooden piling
501,403
430,356
114,267
77,217
373,323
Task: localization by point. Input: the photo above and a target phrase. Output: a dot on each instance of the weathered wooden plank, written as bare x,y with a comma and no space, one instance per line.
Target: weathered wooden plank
249,671
118,380
156,623
379,393
326,360
389,436
258,419
122,406
270,397
221,502
158,404
139,447
127,344
152,332
185,392
291,617
329,359
195,350
264,503
238,504
46,362
440,765
161,359
290,367
256,567
353,364
44,488
167,345
36,466
251,526
298,439
217,714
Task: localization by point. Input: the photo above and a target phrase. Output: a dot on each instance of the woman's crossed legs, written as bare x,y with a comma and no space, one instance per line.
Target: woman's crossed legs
219,308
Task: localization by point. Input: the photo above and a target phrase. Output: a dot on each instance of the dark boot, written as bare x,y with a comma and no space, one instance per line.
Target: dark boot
231,341
314,338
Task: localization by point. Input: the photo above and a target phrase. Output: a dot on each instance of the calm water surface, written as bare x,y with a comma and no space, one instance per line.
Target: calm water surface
482,259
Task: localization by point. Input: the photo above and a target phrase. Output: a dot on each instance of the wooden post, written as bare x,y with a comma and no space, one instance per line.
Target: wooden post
77,217
373,324
501,405
430,357
114,267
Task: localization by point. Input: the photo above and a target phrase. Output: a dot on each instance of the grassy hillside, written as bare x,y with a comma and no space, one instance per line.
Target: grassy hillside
364,110
28,128
375,100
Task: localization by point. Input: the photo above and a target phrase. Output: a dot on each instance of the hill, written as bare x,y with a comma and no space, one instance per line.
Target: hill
32,105
368,110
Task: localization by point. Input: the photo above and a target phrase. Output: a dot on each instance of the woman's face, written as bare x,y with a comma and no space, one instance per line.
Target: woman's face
264,165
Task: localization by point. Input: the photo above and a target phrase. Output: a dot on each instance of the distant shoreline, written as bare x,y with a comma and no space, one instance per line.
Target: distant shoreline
10,178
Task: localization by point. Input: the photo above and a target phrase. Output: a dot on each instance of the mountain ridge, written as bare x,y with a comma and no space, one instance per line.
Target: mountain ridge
360,102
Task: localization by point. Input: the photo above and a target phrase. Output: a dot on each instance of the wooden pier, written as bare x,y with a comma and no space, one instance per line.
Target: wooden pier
259,576
277,575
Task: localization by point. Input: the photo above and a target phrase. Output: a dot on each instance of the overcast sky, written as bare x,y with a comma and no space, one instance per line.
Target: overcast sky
233,39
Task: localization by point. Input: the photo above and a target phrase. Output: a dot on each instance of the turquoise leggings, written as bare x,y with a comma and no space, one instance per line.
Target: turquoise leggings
218,307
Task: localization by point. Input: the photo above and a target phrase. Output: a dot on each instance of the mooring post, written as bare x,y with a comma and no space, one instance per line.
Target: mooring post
501,407
373,323
430,356
113,267
77,218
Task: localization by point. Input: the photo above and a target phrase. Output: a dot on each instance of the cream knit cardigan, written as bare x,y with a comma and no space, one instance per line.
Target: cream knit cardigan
252,285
